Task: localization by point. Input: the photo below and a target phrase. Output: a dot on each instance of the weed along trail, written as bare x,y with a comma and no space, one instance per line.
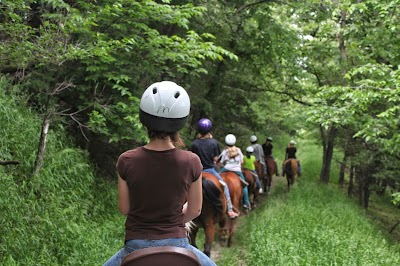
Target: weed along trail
313,224
220,251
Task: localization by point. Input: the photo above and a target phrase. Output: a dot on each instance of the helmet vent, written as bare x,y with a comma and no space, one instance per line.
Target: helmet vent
176,95
154,90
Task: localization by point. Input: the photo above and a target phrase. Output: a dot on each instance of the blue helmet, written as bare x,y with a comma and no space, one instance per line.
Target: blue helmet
204,125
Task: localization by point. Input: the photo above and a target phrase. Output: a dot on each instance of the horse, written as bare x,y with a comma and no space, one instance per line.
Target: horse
290,169
236,191
261,175
271,170
252,187
213,211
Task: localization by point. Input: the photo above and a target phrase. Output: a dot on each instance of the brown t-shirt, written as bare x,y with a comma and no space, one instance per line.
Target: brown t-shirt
158,184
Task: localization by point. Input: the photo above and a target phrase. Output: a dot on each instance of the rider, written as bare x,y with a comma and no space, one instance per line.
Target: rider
248,163
258,152
267,148
208,150
290,153
159,184
232,158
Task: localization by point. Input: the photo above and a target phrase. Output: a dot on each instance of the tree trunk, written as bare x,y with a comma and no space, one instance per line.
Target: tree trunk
364,180
342,170
351,181
42,144
359,179
328,144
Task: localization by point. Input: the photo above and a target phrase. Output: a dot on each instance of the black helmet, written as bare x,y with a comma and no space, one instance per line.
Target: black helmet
204,125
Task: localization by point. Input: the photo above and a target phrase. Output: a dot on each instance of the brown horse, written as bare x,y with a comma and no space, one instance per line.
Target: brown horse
236,191
261,175
252,187
271,170
290,169
213,211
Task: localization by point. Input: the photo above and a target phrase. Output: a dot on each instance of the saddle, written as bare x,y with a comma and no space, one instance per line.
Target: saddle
159,256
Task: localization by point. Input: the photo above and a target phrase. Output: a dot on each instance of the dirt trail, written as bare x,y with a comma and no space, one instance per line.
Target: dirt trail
217,248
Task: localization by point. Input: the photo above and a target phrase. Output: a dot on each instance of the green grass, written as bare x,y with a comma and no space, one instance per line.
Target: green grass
314,224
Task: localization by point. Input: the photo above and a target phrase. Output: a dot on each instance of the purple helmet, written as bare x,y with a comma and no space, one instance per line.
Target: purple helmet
204,125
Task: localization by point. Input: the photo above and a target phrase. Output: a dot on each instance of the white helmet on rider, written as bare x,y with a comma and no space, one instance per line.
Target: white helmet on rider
250,149
164,107
292,142
230,139
253,138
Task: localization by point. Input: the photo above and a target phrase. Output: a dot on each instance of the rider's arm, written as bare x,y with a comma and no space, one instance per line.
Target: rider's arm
192,208
123,196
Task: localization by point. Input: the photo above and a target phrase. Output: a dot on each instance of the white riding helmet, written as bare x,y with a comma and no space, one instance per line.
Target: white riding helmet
250,149
164,107
230,139
253,138
292,142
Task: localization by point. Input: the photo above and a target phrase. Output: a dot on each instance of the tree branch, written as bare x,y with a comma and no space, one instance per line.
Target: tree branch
8,162
245,6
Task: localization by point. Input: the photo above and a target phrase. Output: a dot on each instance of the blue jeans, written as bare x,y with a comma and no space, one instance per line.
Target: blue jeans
226,189
257,179
132,245
246,200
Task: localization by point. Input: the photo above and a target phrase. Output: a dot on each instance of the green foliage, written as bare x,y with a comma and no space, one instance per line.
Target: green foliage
58,217
109,51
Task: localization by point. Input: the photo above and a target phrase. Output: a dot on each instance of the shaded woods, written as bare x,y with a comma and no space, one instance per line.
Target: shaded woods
320,70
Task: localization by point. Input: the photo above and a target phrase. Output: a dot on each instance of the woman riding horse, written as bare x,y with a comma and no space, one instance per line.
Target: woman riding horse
232,159
208,150
267,148
258,152
290,153
249,171
291,166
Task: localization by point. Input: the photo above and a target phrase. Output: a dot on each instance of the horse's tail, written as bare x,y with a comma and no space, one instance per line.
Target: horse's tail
212,194
288,166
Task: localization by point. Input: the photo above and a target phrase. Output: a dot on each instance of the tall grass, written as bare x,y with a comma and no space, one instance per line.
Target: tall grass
63,216
314,224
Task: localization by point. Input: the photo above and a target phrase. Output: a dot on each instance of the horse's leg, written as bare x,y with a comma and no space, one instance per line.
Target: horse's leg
230,232
270,180
265,183
209,232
